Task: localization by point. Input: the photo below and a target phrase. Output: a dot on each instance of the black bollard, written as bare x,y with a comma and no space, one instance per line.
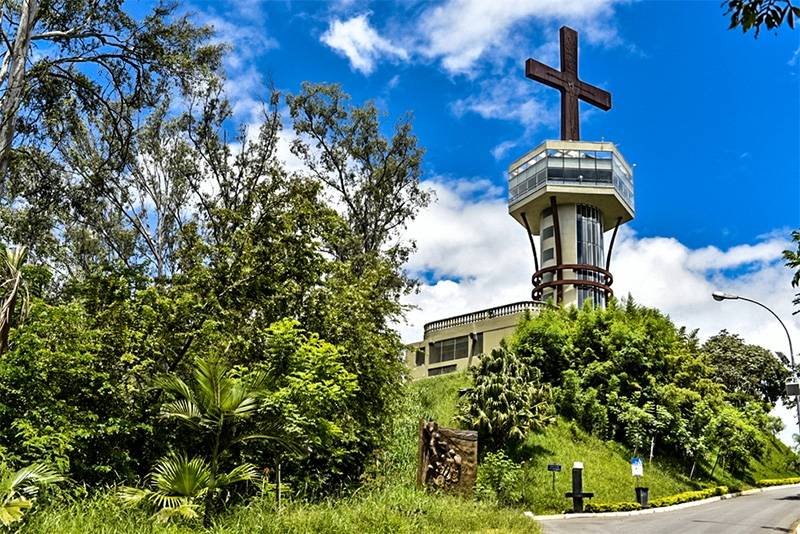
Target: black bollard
577,493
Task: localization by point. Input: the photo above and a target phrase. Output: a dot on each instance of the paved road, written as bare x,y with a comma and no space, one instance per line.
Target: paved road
767,512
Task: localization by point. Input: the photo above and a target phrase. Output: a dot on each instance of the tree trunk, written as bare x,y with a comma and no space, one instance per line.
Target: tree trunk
16,80
715,462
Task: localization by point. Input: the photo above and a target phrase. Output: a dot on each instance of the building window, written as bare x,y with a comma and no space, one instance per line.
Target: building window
547,233
420,357
547,255
477,343
442,370
449,349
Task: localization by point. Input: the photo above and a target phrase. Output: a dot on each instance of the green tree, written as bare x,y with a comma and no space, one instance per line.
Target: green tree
75,81
63,401
752,14
373,181
792,258
14,288
216,405
311,392
506,401
748,372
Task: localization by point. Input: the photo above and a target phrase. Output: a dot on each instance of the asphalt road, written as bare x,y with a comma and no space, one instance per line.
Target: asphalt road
767,512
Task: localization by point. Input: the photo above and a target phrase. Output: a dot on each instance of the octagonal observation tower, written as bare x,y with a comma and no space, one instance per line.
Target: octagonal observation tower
569,193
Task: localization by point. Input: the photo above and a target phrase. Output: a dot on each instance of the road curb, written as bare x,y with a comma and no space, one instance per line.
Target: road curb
792,530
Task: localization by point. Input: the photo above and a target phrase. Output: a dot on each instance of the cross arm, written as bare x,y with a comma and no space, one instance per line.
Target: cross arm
542,73
594,96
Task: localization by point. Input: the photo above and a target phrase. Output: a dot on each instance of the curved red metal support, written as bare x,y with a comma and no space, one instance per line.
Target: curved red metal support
560,281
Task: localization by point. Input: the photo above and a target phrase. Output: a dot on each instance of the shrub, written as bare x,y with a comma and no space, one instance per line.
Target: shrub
601,507
689,496
499,479
777,482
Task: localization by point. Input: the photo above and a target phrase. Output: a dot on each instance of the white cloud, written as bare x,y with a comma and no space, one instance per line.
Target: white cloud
460,32
360,43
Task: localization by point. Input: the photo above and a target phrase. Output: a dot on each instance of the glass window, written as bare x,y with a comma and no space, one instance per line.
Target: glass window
548,255
420,357
442,370
477,344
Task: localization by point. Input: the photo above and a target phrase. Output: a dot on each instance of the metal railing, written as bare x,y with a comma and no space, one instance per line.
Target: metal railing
491,313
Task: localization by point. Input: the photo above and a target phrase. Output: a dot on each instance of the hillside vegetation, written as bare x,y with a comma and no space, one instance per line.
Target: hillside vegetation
607,467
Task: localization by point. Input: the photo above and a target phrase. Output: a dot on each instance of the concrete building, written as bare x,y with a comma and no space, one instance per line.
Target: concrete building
569,193
453,344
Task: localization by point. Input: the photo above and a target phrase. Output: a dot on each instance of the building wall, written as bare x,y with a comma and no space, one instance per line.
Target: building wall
491,325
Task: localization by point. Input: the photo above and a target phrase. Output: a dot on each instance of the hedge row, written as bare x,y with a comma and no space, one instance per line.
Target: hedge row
777,482
689,496
600,507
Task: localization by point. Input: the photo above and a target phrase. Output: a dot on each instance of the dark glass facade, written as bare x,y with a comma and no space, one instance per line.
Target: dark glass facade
589,229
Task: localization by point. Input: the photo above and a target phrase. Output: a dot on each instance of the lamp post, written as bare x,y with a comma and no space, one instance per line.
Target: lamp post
792,386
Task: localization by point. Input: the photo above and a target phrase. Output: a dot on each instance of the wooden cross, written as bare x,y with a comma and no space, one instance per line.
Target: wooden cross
566,80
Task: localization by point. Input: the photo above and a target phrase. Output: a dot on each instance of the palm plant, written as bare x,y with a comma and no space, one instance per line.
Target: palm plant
216,405
18,490
507,399
13,286
178,485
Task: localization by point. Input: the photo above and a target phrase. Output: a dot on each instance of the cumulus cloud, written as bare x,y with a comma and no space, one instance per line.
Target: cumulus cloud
460,32
360,43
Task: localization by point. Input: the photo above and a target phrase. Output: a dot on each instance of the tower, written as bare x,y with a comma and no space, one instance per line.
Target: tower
570,192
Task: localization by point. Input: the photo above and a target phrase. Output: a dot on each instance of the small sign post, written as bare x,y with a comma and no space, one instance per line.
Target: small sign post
554,468
642,494
637,469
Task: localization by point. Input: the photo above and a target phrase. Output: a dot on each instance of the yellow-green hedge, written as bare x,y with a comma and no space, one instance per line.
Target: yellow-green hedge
600,507
689,496
777,482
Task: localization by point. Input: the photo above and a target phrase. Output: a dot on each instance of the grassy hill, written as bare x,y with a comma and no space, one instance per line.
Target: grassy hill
607,469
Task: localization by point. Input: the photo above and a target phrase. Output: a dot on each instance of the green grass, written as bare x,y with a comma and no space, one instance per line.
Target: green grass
606,470
396,509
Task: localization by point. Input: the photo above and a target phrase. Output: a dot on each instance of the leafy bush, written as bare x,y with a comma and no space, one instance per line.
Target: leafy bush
777,482
499,480
601,507
689,496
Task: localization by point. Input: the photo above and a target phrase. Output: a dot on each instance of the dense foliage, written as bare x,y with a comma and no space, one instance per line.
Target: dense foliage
792,258
752,14
626,373
159,235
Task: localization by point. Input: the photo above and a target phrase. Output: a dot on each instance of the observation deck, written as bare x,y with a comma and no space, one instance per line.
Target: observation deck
577,172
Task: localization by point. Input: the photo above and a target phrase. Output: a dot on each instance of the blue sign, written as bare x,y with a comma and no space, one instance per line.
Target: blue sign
637,467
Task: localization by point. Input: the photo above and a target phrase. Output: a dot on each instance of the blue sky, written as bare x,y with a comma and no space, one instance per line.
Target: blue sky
710,117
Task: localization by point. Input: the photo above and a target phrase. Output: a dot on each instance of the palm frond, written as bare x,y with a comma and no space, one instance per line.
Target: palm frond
241,473
16,487
13,510
176,475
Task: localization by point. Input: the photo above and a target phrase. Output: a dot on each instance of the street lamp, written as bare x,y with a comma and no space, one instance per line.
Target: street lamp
792,384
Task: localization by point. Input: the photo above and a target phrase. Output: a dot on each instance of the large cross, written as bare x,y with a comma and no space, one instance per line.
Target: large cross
566,80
